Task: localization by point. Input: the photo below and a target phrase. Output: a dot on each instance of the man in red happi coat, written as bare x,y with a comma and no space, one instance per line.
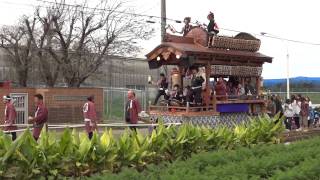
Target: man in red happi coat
133,108
40,116
10,115
90,116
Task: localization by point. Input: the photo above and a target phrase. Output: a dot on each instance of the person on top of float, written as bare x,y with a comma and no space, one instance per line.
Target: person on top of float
212,28
187,95
196,85
162,84
186,28
176,94
221,90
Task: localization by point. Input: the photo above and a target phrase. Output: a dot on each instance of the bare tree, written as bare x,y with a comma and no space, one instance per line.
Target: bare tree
85,36
15,42
40,32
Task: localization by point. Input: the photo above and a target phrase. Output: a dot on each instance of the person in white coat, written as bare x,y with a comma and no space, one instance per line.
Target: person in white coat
288,113
296,105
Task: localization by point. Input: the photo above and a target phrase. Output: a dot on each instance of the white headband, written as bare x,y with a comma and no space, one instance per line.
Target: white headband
7,98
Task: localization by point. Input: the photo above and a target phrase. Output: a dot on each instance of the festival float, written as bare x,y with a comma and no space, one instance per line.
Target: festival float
224,57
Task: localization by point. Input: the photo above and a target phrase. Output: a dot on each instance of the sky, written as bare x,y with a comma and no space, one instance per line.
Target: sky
292,19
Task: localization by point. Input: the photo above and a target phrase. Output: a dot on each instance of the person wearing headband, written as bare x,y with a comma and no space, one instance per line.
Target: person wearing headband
133,108
212,28
10,115
186,28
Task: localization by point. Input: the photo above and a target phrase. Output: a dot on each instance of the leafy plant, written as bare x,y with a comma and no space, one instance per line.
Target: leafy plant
74,155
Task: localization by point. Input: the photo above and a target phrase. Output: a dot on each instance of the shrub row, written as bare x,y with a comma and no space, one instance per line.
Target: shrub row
299,161
74,155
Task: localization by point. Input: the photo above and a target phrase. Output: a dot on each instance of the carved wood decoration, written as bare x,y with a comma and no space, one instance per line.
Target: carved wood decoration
166,55
236,44
240,71
192,46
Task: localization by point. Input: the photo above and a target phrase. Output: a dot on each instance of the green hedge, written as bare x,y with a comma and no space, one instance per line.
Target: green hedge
297,161
74,155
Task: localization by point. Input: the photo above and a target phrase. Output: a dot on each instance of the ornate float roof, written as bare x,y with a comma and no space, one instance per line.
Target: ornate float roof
189,51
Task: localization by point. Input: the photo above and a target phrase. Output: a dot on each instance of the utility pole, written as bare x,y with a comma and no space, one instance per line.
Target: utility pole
286,43
163,27
288,72
163,20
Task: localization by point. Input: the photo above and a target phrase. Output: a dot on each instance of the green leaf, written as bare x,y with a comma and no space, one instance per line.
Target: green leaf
15,145
84,148
36,171
54,172
66,145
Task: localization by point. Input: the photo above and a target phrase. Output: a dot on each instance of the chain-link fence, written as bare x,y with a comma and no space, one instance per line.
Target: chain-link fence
115,100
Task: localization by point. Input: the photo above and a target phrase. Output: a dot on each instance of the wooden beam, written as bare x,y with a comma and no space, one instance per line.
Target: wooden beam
214,98
258,85
156,53
201,61
207,93
234,63
180,71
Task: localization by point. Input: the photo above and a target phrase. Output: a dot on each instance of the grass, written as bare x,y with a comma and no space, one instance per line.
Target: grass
315,97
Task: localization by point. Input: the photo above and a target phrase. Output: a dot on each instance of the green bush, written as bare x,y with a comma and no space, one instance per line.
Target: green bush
74,155
296,161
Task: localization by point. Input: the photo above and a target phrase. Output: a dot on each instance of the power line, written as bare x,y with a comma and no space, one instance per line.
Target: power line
285,39
158,17
42,6
12,3
179,21
151,8
99,9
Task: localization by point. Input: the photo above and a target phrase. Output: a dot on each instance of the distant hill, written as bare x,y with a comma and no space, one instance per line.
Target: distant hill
297,80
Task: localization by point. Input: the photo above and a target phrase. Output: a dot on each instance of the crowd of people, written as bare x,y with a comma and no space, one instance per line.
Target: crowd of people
38,119
40,116
191,93
233,88
174,94
298,112
132,112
